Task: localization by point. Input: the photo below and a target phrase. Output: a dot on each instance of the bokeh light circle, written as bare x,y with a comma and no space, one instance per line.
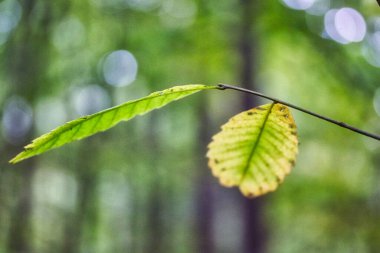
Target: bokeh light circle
319,7
90,99
345,25
350,24
69,34
299,4
120,68
17,119
371,45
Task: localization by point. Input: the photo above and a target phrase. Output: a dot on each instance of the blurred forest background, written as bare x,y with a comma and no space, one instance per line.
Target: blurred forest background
144,186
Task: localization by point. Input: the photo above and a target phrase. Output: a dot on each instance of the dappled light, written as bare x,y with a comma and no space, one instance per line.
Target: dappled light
109,3
371,45
345,25
371,49
115,196
319,7
120,68
69,34
178,13
49,113
138,5
115,192
62,185
17,119
299,4
10,15
105,126
143,5
89,99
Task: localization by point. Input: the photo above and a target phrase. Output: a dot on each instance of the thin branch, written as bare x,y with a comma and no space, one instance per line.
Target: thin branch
341,124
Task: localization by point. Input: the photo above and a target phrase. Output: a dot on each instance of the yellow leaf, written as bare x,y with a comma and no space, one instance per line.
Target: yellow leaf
255,149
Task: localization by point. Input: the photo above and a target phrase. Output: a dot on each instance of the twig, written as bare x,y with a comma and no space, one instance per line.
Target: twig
341,124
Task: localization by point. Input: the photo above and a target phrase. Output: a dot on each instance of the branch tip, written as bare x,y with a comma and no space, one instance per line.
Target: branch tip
221,86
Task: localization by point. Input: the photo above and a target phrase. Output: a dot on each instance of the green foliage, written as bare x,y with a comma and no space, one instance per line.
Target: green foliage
255,150
103,120
120,199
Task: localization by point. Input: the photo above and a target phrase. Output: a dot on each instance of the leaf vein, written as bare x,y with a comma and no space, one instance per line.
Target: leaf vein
256,143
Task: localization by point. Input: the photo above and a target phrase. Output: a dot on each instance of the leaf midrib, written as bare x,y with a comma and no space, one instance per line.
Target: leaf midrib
77,122
34,148
245,170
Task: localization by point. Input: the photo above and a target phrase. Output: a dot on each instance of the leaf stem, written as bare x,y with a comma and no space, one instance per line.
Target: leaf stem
341,124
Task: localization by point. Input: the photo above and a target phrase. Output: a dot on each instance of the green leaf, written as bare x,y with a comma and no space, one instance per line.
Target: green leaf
255,149
101,121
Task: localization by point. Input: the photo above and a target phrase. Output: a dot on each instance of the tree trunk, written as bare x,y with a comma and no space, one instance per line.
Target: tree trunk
81,228
155,234
204,197
25,52
20,232
254,240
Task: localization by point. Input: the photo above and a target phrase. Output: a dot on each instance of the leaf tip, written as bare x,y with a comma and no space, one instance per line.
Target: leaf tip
16,159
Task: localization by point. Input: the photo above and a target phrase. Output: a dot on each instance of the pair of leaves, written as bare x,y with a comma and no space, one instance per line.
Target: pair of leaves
254,151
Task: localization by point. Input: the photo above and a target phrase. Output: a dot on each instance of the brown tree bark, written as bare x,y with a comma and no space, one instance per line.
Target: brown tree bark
255,234
204,197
